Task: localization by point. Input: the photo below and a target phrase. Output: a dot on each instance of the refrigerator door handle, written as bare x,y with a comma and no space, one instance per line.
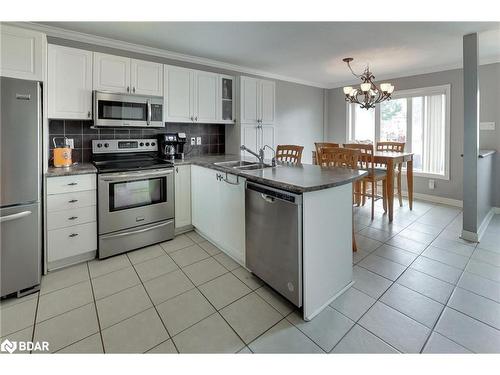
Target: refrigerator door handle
19,215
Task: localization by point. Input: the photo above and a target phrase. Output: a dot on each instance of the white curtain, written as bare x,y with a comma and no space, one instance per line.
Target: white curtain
434,134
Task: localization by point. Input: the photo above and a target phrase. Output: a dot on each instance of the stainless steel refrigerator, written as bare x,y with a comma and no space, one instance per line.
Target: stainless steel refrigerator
20,185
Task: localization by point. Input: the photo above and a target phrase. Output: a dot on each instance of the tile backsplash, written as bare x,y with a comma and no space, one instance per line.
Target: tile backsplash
212,136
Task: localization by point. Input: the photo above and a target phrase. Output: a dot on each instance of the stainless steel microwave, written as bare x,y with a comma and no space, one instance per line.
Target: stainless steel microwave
123,110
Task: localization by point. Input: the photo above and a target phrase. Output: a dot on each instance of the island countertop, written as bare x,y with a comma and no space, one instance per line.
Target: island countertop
299,178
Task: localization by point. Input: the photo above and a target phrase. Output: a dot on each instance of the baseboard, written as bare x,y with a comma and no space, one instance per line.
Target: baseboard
469,236
434,199
486,222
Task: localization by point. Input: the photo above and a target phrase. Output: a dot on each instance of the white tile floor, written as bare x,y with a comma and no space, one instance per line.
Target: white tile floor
418,289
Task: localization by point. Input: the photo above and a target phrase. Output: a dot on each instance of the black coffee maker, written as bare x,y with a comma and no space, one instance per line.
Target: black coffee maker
171,145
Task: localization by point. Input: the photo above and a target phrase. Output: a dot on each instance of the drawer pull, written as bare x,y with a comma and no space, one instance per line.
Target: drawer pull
73,183
73,218
73,201
73,235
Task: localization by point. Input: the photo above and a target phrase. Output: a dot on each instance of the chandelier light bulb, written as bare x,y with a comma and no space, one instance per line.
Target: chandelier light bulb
347,90
365,87
391,89
385,87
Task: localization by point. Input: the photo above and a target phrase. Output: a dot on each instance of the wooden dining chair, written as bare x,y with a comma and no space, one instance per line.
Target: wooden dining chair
318,146
289,153
394,147
343,158
366,161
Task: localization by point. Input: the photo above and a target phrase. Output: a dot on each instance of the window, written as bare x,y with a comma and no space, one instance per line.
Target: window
419,117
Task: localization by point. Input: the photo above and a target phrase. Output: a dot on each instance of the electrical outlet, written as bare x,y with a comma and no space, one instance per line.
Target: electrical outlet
193,141
71,142
198,140
432,184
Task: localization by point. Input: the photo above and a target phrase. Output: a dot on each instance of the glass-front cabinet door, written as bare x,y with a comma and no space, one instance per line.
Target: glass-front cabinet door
226,99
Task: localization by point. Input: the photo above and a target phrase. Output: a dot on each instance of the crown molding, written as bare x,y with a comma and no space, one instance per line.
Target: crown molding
415,72
58,32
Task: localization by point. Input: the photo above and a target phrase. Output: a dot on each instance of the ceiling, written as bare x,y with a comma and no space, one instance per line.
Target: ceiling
310,52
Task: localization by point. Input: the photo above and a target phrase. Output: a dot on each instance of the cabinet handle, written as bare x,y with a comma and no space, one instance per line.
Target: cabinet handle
73,235
89,114
196,118
73,201
128,88
192,118
73,218
176,170
133,89
73,183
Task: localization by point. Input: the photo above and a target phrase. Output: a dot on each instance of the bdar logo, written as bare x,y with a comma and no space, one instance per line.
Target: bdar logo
8,346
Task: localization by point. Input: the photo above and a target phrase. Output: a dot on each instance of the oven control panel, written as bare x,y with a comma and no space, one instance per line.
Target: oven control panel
106,146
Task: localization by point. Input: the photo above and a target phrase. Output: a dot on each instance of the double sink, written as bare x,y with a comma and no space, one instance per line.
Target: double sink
243,165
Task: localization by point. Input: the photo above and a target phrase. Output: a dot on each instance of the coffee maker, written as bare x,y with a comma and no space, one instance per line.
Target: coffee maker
171,145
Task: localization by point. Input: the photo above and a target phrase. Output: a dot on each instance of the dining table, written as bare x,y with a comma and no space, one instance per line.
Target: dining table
391,159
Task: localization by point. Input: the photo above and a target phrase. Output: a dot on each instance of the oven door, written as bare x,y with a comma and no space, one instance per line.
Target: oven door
127,110
132,199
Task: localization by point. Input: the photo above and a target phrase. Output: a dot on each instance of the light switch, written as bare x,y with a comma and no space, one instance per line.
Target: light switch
71,142
198,140
486,126
193,141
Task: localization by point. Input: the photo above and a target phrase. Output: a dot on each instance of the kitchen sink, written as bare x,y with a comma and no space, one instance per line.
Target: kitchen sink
235,164
243,165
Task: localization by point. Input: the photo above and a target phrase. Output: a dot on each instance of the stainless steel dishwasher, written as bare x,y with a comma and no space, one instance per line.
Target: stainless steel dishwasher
274,239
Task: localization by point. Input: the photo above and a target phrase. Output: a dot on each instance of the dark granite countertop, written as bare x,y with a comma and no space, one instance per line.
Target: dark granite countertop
80,168
294,178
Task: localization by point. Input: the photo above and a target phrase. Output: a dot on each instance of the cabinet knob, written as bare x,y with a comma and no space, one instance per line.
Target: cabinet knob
73,235
89,114
128,88
133,89
176,170
196,118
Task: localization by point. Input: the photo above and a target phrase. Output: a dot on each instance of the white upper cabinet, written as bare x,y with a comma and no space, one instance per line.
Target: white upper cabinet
205,97
267,104
192,95
249,100
111,73
22,53
257,101
178,94
146,78
69,83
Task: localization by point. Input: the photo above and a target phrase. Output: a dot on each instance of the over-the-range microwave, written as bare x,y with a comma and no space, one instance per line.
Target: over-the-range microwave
123,110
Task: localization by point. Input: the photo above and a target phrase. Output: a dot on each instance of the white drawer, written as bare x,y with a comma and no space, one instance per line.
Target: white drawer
66,184
71,241
67,218
68,201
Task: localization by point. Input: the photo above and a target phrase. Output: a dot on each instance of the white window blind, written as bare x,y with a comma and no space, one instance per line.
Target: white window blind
419,117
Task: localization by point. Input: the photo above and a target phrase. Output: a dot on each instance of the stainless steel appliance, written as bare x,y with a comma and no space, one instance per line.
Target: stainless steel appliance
273,221
123,110
171,145
20,190
135,195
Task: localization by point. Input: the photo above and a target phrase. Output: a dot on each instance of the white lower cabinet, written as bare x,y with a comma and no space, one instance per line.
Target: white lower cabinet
182,196
218,209
71,220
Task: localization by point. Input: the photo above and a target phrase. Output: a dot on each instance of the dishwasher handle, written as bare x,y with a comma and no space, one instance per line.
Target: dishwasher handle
268,198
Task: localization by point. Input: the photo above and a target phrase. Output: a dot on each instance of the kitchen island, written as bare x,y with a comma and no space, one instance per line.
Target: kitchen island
323,228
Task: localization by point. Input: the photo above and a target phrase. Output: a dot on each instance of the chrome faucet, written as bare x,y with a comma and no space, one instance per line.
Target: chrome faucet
260,155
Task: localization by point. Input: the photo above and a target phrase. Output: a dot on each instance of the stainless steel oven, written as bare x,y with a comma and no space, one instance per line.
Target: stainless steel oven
123,110
136,209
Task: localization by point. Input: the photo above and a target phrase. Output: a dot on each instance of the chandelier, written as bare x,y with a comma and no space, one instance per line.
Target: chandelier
368,94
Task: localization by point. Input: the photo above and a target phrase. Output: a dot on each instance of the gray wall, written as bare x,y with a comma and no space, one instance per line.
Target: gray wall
489,78
299,108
